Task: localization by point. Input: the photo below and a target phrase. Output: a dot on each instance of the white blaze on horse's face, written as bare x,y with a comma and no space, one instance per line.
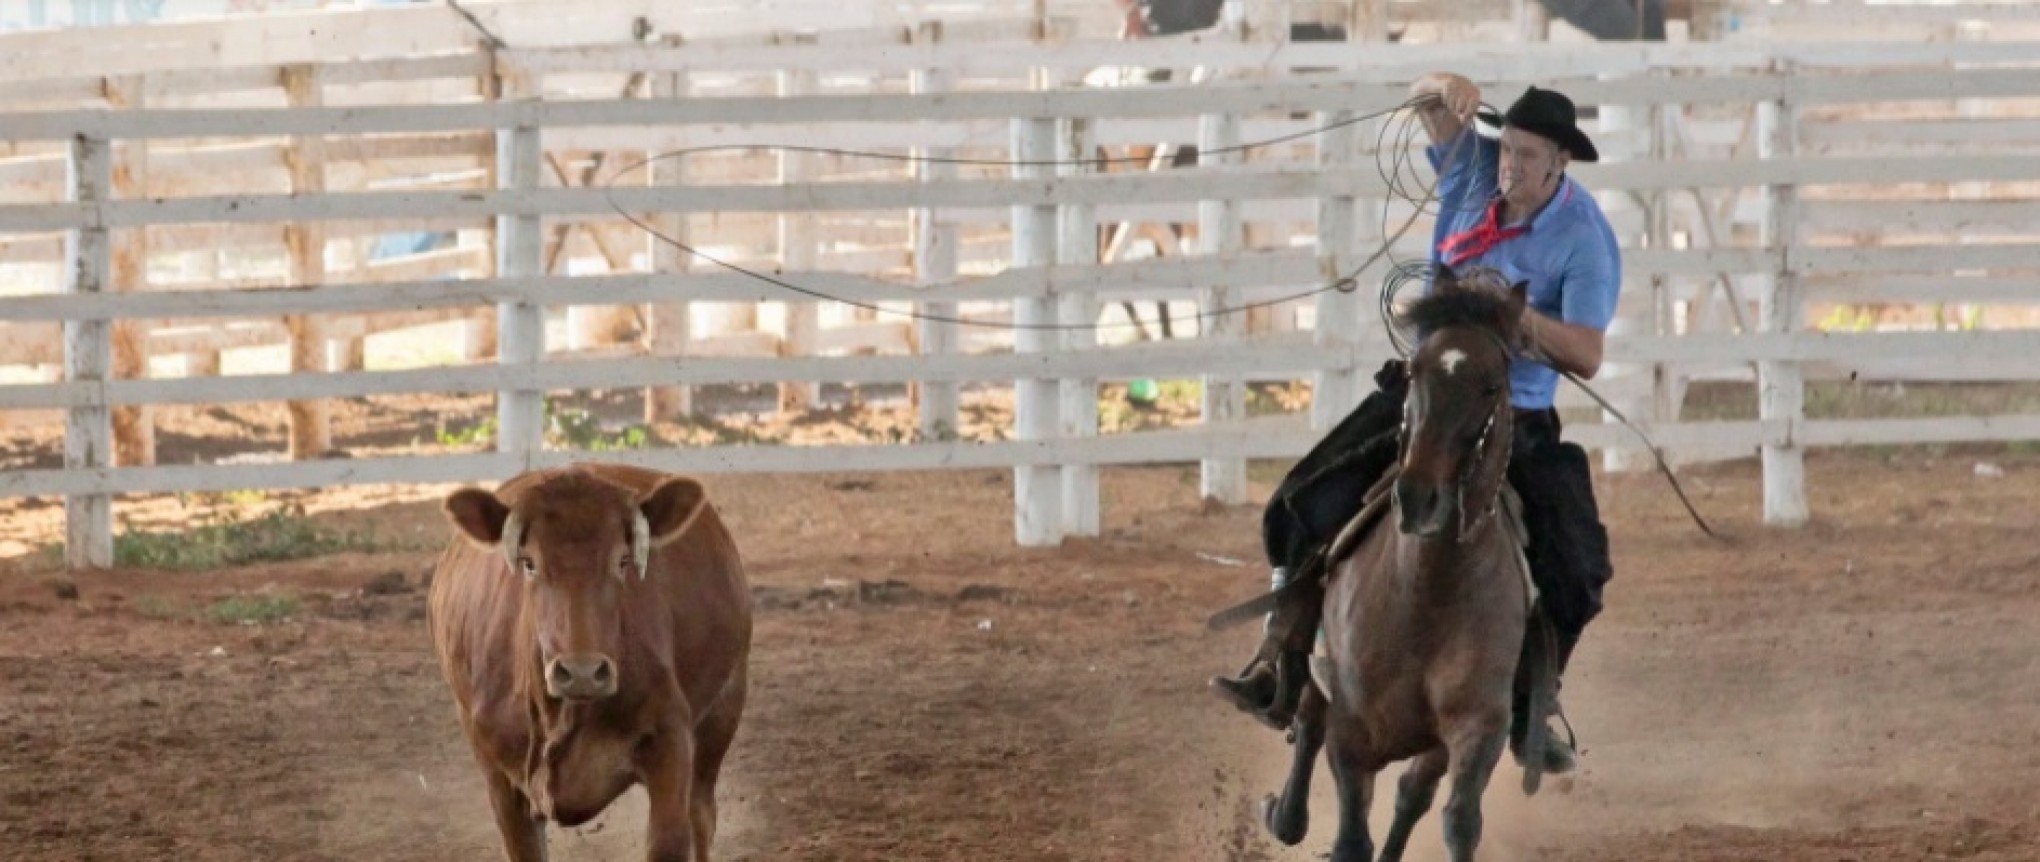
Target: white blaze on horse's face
1450,360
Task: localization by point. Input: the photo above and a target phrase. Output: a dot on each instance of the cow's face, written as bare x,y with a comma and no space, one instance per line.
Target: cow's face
578,547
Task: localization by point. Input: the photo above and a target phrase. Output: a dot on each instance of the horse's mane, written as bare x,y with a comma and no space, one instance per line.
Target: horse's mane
1460,307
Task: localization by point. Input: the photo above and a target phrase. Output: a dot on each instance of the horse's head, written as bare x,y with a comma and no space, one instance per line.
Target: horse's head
1457,420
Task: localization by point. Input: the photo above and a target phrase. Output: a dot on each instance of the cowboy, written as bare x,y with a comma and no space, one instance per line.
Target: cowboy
1507,205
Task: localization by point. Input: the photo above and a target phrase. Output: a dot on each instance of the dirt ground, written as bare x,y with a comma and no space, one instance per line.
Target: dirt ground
1866,688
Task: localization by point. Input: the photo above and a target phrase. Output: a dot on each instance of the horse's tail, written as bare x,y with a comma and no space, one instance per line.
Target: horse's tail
1540,654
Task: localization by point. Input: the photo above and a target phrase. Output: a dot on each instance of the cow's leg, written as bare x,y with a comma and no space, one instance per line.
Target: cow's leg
1353,773
523,834
1413,795
711,741
1288,816
668,766
1475,747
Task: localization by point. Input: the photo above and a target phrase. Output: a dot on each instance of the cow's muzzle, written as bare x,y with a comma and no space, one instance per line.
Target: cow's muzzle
587,676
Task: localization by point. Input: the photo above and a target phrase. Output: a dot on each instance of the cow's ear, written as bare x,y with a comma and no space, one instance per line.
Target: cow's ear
477,515
672,507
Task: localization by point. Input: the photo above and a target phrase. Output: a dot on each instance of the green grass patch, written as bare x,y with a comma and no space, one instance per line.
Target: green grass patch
481,435
573,428
232,539
565,428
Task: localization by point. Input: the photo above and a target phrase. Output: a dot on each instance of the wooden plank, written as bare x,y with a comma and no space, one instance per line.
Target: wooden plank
1152,277
1170,100
1924,258
1289,355
1923,289
1948,348
1252,440
1888,217
892,137
1238,183
1266,358
391,119
1234,184
300,37
1142,279
1282,438
1826,17
1380,62
1916,134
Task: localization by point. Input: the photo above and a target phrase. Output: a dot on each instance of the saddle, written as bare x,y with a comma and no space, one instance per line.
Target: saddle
1320,564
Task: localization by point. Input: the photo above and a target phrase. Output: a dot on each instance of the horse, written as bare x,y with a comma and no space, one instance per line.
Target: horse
1424,624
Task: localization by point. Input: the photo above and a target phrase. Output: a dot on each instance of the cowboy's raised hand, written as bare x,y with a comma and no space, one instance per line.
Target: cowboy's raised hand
1459,96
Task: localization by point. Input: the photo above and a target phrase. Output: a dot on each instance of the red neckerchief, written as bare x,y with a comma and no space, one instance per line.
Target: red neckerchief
1469,244
1485,234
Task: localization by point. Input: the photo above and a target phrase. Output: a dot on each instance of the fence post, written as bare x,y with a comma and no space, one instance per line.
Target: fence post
520,252
1078,246
134,426
1367,21
797,255
934,239
1532,21
311,426
1781,391
1335,391
1671,380
668,324
1218,235
1037,489
88,356
1631,387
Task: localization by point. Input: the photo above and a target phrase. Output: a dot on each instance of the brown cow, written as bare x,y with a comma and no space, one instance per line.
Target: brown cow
595,625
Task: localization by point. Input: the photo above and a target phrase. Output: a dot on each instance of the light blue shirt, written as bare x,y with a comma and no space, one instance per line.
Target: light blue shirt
1569,256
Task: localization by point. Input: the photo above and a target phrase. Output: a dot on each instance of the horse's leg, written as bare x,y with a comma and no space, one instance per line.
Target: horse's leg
1413,795
1475,748
1288,816
1355,779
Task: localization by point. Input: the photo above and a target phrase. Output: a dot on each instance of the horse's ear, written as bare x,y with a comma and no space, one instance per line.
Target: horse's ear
1519,298
1443,278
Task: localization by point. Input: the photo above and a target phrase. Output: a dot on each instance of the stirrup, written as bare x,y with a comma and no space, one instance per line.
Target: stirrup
1292,676
1252,691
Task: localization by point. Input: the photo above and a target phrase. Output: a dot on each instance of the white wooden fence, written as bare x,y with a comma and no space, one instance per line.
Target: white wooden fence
1798,190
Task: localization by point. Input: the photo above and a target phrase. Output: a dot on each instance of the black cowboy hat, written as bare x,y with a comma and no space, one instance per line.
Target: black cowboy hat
1548,114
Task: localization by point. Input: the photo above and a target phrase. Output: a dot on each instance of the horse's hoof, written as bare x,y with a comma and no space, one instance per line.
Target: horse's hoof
1352,852
1290,834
